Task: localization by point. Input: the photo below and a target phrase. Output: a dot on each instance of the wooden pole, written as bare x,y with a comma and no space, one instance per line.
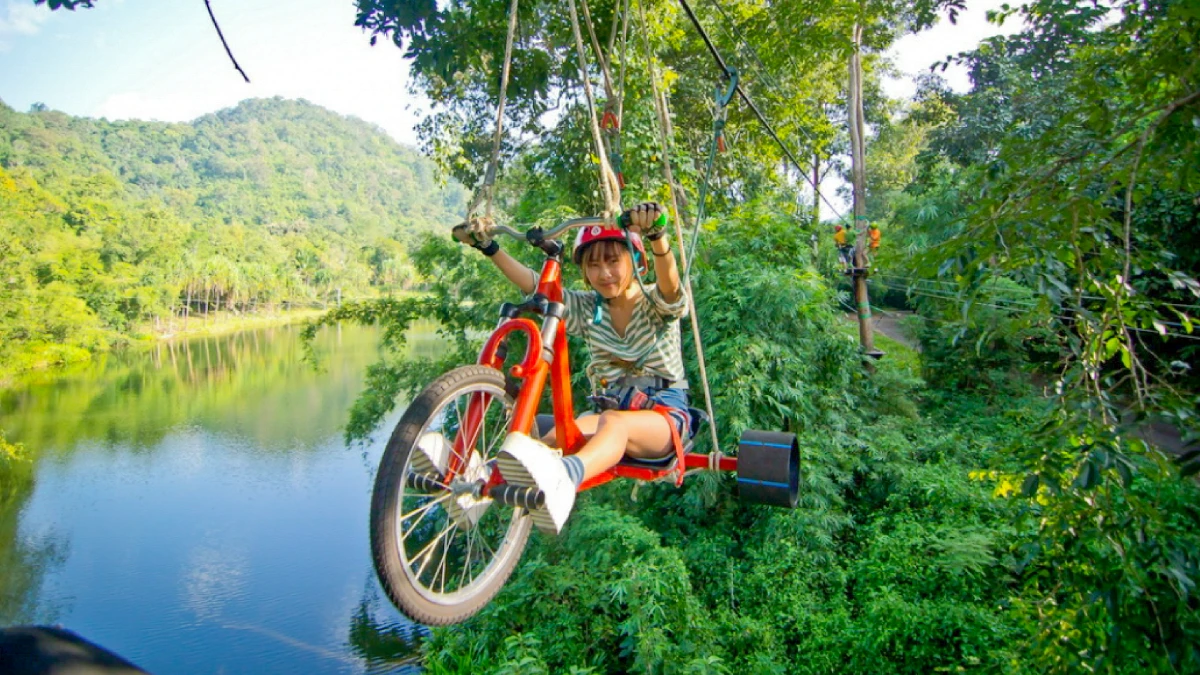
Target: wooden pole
862,301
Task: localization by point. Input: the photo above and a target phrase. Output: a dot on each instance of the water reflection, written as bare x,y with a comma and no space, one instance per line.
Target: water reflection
251,384
24,561
387,644
194,508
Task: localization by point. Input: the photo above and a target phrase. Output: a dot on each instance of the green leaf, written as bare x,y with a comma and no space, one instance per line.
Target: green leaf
1030,485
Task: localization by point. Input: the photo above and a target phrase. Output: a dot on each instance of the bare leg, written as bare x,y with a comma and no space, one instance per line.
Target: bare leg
615,433
611,435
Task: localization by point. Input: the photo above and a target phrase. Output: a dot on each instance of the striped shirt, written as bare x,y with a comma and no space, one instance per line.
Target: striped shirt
650,347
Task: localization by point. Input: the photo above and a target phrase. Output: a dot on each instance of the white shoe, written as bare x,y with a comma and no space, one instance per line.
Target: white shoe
528,463
432,454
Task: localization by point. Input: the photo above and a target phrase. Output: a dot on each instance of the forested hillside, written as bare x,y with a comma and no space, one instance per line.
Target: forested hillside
111,229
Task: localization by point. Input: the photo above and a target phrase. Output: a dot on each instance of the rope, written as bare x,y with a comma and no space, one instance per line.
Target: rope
624,62
600,58
487,189
660,106
610,123
609,186
613,120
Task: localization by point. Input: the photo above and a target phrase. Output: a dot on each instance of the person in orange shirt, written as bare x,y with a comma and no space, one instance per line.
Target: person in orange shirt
874,239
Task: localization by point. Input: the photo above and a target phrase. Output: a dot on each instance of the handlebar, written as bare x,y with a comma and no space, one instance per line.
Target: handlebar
553,233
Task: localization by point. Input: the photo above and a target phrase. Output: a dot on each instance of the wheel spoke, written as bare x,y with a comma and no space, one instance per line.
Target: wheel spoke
503,419
466,568
491,551
460,431
424,510
429,548
483,432
447,543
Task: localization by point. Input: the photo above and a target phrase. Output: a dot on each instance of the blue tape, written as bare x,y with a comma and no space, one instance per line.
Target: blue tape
767,483
767,445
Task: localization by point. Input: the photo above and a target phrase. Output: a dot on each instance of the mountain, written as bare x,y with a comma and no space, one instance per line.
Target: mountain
108,227
270,162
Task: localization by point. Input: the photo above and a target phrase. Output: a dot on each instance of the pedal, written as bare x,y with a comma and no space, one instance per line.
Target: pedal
527,498
427,482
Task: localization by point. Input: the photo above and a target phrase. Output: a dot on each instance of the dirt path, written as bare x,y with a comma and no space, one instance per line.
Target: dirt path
888,323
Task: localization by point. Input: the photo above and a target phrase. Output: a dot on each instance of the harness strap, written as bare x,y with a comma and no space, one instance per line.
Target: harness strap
676,441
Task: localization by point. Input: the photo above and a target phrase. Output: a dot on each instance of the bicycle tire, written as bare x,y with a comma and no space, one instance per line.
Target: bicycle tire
403,575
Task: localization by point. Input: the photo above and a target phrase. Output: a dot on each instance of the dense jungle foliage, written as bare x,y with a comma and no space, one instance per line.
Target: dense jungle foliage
1003,512
112,230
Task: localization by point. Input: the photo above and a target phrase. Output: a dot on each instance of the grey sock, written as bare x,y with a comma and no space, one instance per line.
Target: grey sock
574,467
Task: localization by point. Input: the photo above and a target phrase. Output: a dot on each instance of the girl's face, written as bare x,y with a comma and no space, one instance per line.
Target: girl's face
608,268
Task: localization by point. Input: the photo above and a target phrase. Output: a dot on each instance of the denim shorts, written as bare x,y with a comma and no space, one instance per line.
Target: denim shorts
675,399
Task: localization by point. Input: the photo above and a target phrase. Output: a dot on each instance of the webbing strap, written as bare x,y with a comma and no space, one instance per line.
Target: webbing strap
676,441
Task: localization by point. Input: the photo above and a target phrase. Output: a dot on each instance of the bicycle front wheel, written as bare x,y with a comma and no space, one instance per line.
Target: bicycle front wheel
440,549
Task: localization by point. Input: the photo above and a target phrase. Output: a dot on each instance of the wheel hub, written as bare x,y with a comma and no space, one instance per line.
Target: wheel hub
466,507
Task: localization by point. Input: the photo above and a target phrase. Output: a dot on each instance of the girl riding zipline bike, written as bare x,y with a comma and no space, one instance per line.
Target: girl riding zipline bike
636,367
462,470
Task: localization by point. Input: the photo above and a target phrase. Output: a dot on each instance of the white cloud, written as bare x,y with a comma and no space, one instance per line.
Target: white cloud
136,105
914,54
20,18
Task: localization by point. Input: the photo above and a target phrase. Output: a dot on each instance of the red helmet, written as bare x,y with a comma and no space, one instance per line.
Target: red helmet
594,233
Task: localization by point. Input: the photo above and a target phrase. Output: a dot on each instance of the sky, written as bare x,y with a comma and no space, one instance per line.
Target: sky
162,59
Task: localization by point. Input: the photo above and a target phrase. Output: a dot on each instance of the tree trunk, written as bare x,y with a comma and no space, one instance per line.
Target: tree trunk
816,179
858,171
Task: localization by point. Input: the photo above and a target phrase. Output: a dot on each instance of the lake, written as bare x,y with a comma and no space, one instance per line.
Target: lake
195,508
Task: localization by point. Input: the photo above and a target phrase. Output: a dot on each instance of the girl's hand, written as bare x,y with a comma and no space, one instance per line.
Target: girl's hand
473,232
647,219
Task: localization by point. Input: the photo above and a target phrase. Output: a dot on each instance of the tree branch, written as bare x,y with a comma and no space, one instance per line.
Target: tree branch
224,43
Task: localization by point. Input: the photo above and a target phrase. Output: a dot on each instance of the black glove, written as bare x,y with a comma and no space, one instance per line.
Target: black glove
648,219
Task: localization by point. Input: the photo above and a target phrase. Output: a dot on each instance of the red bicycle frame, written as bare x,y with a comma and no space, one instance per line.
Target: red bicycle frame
546,355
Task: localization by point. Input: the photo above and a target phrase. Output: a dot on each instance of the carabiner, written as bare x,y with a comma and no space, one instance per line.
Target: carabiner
723,99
